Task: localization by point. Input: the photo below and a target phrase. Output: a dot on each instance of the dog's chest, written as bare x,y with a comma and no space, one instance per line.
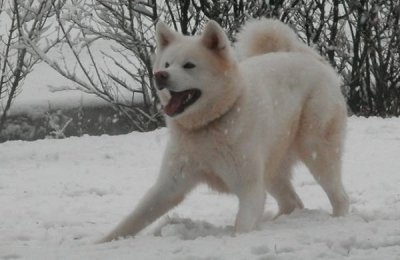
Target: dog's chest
207,146
214,154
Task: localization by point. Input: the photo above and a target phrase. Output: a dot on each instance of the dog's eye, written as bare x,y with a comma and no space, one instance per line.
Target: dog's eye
188,65
166,65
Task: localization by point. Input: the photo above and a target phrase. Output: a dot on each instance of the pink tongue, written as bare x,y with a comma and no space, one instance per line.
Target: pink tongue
174,104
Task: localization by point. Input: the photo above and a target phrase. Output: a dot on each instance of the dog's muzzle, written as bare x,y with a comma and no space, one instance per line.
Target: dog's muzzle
161,77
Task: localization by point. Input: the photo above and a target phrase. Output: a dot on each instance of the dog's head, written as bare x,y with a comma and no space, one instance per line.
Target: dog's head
194,74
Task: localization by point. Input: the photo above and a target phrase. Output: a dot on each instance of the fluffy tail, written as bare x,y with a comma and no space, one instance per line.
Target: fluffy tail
259,37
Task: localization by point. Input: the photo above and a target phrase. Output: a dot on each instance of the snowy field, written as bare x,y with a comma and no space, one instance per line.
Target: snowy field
58,196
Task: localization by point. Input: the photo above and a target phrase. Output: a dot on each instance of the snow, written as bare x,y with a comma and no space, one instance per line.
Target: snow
59,196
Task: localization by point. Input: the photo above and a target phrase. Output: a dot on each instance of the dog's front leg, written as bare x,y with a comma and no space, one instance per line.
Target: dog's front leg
251,205
169,190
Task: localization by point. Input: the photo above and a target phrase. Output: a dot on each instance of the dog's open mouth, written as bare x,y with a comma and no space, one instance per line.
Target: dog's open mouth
179,101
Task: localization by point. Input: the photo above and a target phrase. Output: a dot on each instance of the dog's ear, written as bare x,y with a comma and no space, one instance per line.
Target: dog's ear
164,35
214,38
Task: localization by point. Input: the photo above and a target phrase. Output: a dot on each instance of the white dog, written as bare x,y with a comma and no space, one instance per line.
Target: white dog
239,126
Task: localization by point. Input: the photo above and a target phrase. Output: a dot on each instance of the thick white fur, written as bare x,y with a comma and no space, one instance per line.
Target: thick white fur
268,35
254,120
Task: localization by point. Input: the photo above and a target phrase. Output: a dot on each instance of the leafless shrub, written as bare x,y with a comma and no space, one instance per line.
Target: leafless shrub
112,42
19,19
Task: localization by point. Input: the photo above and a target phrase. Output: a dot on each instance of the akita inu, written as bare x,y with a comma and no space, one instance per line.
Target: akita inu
239,125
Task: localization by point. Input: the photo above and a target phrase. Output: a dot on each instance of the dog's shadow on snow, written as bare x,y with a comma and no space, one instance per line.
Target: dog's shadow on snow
188,229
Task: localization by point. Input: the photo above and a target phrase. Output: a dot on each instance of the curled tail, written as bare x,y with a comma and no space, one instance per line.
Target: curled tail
259,37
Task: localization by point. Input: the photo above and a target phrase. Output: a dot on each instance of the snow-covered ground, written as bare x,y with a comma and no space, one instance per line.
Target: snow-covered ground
58,196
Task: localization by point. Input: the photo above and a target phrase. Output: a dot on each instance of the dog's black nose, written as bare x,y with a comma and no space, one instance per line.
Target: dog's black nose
161,78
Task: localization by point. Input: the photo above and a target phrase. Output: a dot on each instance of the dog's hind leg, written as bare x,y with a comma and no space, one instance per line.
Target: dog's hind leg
326,170
321,150
280,187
